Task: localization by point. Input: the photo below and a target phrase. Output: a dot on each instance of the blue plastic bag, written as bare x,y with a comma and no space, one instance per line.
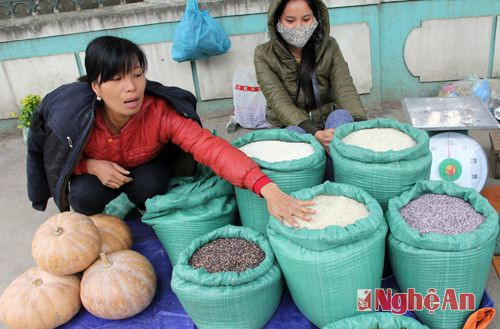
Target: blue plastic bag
198,35
481,89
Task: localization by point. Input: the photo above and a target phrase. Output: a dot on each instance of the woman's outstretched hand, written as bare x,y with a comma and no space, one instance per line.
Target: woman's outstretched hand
325,137
109,173
284,207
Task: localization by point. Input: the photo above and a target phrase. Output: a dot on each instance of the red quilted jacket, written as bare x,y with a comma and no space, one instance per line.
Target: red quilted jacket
145,134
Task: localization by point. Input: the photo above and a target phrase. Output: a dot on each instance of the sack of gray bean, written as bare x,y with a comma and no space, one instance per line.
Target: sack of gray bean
192,207
228,298
384,171
323,268
378,320
292,160
442,236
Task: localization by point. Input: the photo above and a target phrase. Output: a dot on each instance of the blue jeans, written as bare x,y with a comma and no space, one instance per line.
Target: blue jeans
334,120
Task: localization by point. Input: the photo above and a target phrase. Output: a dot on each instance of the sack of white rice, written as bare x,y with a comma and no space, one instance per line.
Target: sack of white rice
342,252
382,156
442,237
192,207
377,320
228,278
293,161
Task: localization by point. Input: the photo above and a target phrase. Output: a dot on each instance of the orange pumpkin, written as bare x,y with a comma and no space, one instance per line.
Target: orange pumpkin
115,233
66,243
39,300
119,285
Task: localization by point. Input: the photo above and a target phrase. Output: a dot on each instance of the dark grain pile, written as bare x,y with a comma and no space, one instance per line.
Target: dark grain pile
227,255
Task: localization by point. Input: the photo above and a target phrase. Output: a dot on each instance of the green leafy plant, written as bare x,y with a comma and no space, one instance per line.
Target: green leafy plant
29,106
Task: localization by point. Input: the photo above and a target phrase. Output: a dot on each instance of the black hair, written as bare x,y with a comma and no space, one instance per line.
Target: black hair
107,56
308,60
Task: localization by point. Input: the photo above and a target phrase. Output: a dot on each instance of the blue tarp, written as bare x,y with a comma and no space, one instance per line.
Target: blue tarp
165,311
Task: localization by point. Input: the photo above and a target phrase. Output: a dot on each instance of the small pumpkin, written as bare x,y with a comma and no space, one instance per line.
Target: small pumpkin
66,243
39,300
115,233
118,285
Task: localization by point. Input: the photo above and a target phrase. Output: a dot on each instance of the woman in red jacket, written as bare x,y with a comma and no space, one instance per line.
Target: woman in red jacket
125,150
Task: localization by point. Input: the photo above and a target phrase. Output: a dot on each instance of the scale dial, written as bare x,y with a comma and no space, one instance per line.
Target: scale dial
458,158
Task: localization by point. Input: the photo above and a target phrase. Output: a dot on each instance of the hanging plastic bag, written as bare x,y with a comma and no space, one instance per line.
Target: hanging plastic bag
198,35
249,102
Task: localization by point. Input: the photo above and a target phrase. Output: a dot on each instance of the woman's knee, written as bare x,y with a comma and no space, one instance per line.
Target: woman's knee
88,196
139,193
149,181
338,118
296,129
85,203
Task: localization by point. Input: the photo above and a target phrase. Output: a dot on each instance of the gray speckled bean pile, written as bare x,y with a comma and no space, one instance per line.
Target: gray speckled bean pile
439,213
227,255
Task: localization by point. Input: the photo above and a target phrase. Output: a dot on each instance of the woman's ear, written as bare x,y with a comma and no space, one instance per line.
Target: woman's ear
96,88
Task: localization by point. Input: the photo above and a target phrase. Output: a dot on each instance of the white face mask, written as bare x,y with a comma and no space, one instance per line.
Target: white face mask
297,36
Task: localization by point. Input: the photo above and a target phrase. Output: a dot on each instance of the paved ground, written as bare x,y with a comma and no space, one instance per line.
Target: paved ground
19,221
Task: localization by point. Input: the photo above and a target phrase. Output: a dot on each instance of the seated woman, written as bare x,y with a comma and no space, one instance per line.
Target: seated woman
114,134
302,72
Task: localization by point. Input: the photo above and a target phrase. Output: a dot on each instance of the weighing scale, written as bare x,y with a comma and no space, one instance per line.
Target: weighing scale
455,156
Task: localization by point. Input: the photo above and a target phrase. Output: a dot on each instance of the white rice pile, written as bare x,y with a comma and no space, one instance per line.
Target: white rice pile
275,151
333,210
380,139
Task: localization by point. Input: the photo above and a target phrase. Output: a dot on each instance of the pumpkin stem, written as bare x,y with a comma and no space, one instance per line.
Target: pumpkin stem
57,231
35,283
105,260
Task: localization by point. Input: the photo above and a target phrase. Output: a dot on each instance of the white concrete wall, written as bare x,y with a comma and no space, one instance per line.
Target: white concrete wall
162,68
449,49
496,59
37,75
216,73
354,42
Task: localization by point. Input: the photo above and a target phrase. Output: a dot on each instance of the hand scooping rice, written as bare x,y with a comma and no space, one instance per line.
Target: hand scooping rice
334,210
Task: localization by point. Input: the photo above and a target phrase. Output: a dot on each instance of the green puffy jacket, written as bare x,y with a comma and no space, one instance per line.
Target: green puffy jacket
278,75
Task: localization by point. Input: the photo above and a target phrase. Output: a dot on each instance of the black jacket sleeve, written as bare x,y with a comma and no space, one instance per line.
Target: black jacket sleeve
38,188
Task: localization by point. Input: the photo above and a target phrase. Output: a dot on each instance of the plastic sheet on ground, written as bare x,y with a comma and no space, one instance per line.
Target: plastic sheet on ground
165,311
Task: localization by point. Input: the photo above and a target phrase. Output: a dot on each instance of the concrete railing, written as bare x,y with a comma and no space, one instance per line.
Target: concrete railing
11,9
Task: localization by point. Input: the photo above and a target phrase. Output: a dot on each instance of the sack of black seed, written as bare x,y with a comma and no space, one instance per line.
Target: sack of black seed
441,241
293,161
228,278
192,207
379,320
382,156
325,265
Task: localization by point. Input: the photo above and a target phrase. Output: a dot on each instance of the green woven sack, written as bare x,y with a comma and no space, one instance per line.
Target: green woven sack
192,207
119,206
229,299
290,176
324,268
437,261
382,174
377,320
497,246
